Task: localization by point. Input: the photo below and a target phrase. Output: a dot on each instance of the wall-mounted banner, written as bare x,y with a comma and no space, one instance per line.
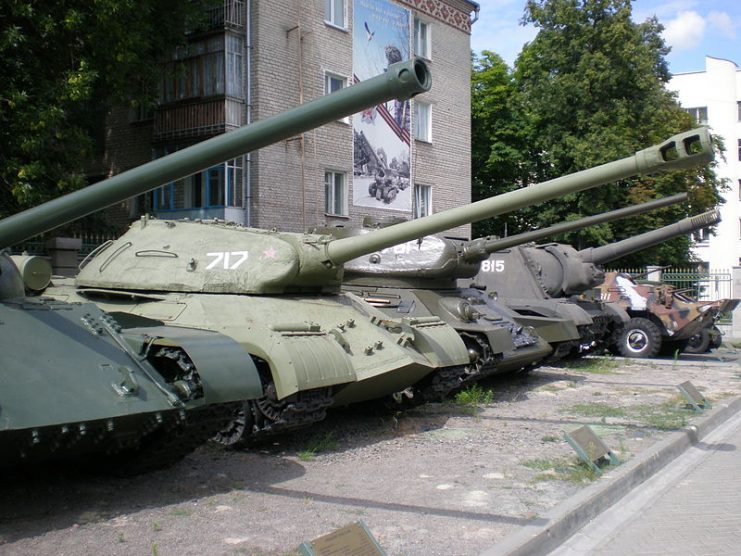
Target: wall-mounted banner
381,142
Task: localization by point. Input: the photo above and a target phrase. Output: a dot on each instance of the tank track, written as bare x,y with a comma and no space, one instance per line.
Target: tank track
265,417
172,441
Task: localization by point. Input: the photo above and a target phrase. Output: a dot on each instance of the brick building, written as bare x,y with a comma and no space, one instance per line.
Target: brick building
262,58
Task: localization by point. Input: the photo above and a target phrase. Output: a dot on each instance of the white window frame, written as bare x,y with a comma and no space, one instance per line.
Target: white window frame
422,38
422,200
331,17
329,78
330,193
699,114
422,121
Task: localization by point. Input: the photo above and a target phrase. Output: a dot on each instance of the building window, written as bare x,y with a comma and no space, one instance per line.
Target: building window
333,83
217,187
201,70
335,193
422,121
422,39
422,200
739,190
739,149
234,55
334,12
699,114
738,105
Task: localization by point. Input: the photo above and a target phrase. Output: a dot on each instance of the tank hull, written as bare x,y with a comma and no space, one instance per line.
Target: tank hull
92,391
306,342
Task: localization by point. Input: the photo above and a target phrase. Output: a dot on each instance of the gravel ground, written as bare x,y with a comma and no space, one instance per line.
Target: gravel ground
443,479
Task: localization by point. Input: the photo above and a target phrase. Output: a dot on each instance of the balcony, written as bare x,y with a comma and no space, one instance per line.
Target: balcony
198,119
230,15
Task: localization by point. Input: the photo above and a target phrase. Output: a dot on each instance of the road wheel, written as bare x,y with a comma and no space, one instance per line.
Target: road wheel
699,343
641,338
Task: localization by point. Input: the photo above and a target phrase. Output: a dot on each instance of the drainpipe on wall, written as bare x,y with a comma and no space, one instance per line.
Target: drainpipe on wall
247,172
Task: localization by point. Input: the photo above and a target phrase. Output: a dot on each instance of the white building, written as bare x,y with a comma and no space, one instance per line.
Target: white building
713,96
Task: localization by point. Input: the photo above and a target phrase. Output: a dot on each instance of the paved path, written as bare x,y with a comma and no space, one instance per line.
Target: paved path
692,508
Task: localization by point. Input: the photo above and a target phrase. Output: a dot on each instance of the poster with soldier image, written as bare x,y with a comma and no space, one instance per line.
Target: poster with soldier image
381,143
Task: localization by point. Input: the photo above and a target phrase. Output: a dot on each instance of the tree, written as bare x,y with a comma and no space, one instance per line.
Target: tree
497,139
65,63
589,89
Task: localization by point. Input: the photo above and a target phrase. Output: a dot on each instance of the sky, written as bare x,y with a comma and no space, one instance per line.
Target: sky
692,28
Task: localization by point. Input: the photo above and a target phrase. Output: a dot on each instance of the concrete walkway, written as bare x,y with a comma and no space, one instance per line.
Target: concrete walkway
692,507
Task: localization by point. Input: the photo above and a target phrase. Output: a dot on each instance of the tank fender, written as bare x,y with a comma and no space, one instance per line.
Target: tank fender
226,369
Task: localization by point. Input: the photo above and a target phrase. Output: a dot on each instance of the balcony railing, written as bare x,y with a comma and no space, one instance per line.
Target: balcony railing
197,119
231,14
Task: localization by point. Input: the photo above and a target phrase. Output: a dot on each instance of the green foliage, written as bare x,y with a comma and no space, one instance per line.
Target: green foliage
65,63
474,396
601,410
588,89
318,444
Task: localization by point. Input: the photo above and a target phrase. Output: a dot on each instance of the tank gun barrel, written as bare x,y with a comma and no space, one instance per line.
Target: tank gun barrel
401,81
680,151
480,249
607,253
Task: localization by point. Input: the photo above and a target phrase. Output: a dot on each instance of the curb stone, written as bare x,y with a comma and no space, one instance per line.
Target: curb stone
566,518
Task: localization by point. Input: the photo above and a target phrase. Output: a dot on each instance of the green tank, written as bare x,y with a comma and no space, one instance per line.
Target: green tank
79,382
542,281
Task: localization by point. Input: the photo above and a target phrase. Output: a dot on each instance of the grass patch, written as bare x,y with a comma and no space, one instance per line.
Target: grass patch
669,416
318,444
601,410
571,470
594,365
474,396
550,438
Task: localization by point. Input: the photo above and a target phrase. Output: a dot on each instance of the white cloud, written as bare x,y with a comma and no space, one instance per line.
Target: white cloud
723,23
685,31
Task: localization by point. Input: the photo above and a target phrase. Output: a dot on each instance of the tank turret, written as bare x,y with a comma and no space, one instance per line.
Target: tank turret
125,388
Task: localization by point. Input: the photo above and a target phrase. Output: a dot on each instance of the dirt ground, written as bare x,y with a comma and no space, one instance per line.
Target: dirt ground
443,479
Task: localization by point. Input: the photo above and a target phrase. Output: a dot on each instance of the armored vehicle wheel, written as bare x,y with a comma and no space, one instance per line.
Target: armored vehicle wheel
641,338
390,195
699,343
372,190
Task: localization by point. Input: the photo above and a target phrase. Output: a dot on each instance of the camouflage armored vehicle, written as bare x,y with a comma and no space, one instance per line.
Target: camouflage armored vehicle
121,386
278,294
661,319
